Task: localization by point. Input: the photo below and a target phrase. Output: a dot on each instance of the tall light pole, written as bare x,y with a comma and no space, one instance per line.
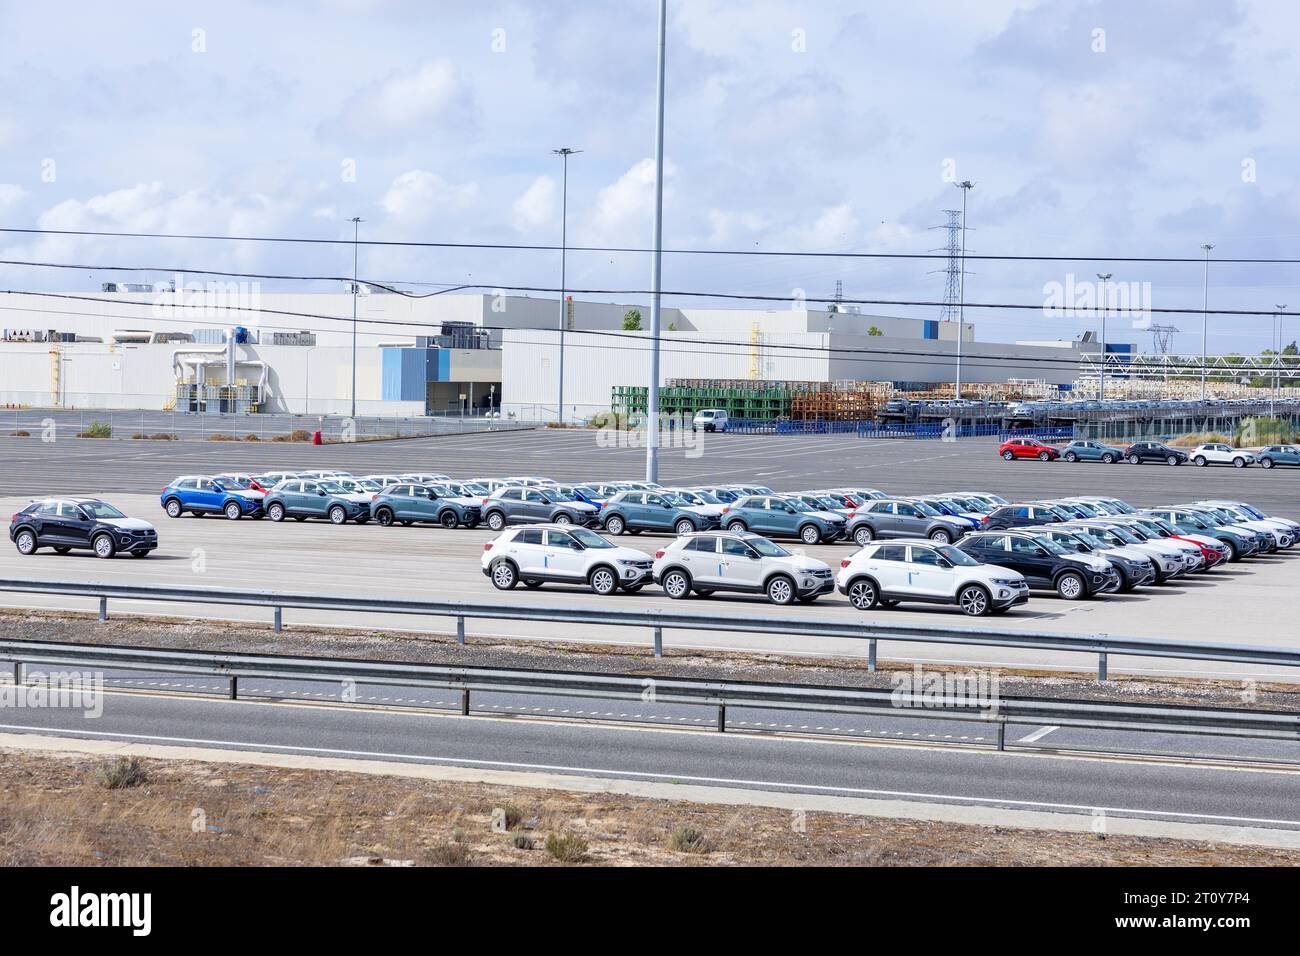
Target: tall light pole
1101,389
656,270
356,232
965,186
1277,354
1205,318
564,153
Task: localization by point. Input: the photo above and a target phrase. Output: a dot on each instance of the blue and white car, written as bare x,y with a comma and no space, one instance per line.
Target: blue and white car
202,495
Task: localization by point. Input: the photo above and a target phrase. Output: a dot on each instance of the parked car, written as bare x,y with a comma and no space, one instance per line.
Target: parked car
711,420
303,498
201,495
739,561
886,573
1028,448
1143,451
1218,453
563,554
519,505
900,518
1135,568
1025,515
1282,533
84,523
1274,455
1089,450
1240,543
409,503
1252,512
1213,551
1043,563
1170,559
247,485
783,516
662,511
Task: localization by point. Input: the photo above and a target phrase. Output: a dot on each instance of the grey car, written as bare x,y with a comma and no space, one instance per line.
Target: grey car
517,505
899,518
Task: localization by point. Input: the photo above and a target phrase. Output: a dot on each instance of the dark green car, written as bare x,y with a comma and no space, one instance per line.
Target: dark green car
1092,451
1278,455
408,502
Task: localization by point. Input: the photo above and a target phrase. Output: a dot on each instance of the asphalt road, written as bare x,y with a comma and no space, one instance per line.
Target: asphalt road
1170,790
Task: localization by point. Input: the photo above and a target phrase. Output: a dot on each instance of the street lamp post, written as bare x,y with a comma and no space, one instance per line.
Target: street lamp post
965,186
1101,388
356,231
656,271
564,153
1277,355
1205,318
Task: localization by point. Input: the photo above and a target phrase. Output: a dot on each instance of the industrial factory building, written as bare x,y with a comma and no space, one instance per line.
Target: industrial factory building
231,348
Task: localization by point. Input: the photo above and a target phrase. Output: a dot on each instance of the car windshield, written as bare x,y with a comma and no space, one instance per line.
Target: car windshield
1128,537
705,498
766,548
474,488
556,494
674,499
230,481
100,509
725,495
959,559
1088,538
796,504
589,538
1050,545
332,487
827,502
584,490
365,484
927,510
1087,510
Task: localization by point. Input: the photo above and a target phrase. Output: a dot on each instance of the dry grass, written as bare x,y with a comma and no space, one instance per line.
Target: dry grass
156,436
298,434
53,813
1199,438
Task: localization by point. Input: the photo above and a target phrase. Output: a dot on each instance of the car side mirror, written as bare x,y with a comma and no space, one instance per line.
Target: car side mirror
1040,552
321,493
945,563
82,515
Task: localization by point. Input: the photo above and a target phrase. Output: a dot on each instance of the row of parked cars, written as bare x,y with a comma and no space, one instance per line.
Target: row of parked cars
1142,452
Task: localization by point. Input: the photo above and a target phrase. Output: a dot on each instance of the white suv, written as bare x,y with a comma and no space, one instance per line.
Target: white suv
711,420
917,569
1217,453
740,561
563,554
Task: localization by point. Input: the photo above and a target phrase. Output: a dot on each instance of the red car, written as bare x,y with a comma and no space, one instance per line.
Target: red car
1027,448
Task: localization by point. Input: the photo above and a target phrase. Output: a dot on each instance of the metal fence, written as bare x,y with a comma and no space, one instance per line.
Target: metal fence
918,703
1102,646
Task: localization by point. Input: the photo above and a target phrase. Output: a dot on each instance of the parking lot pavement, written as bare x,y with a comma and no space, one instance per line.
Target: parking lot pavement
1250,602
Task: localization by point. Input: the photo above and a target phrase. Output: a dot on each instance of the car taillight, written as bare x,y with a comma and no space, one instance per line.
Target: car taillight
726,508
844,562
487,546
658,555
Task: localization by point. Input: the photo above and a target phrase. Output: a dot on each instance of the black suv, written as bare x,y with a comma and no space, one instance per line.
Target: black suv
1045,564
1144,451
67,523
1021,516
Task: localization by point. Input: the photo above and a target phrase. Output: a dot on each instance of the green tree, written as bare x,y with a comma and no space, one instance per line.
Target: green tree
632,320
874,330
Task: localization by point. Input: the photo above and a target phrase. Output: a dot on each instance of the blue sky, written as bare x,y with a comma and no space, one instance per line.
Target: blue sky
1091,127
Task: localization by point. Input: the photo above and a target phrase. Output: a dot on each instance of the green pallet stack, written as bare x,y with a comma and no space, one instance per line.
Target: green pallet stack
762,401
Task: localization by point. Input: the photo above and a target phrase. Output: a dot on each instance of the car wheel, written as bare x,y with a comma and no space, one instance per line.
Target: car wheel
1044,456
737,526
781,590
448,519
1007,455
809,534
863,536
974,600
173,508
504,575
1071,457
233,511
863,594
1234,551
496,520
1266,463
603,581
1125,585
276,511
1134,460
1171,460
563,518
677,585
615,525
338,514
1238,463
26,542
1108,458
103,546
61,549
685,526
1199,461
704,592
384,516
940,536
1071,586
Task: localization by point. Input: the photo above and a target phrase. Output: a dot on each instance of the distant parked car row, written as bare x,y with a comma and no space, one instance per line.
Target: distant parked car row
1141,452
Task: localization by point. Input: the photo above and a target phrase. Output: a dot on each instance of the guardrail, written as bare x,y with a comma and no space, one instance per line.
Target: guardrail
1205,721
1101,645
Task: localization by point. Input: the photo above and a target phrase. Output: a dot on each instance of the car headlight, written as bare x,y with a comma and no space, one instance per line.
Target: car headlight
627,562
1006,582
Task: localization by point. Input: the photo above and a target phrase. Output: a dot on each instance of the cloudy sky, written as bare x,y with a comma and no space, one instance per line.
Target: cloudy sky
1090,127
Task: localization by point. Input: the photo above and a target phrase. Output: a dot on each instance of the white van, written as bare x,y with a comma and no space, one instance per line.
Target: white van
710,419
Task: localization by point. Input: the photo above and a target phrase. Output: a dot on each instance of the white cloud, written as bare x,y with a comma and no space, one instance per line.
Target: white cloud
434,93
10,195
625,208
419,195
537,206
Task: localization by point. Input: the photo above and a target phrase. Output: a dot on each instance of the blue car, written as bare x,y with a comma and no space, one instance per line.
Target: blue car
201,495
